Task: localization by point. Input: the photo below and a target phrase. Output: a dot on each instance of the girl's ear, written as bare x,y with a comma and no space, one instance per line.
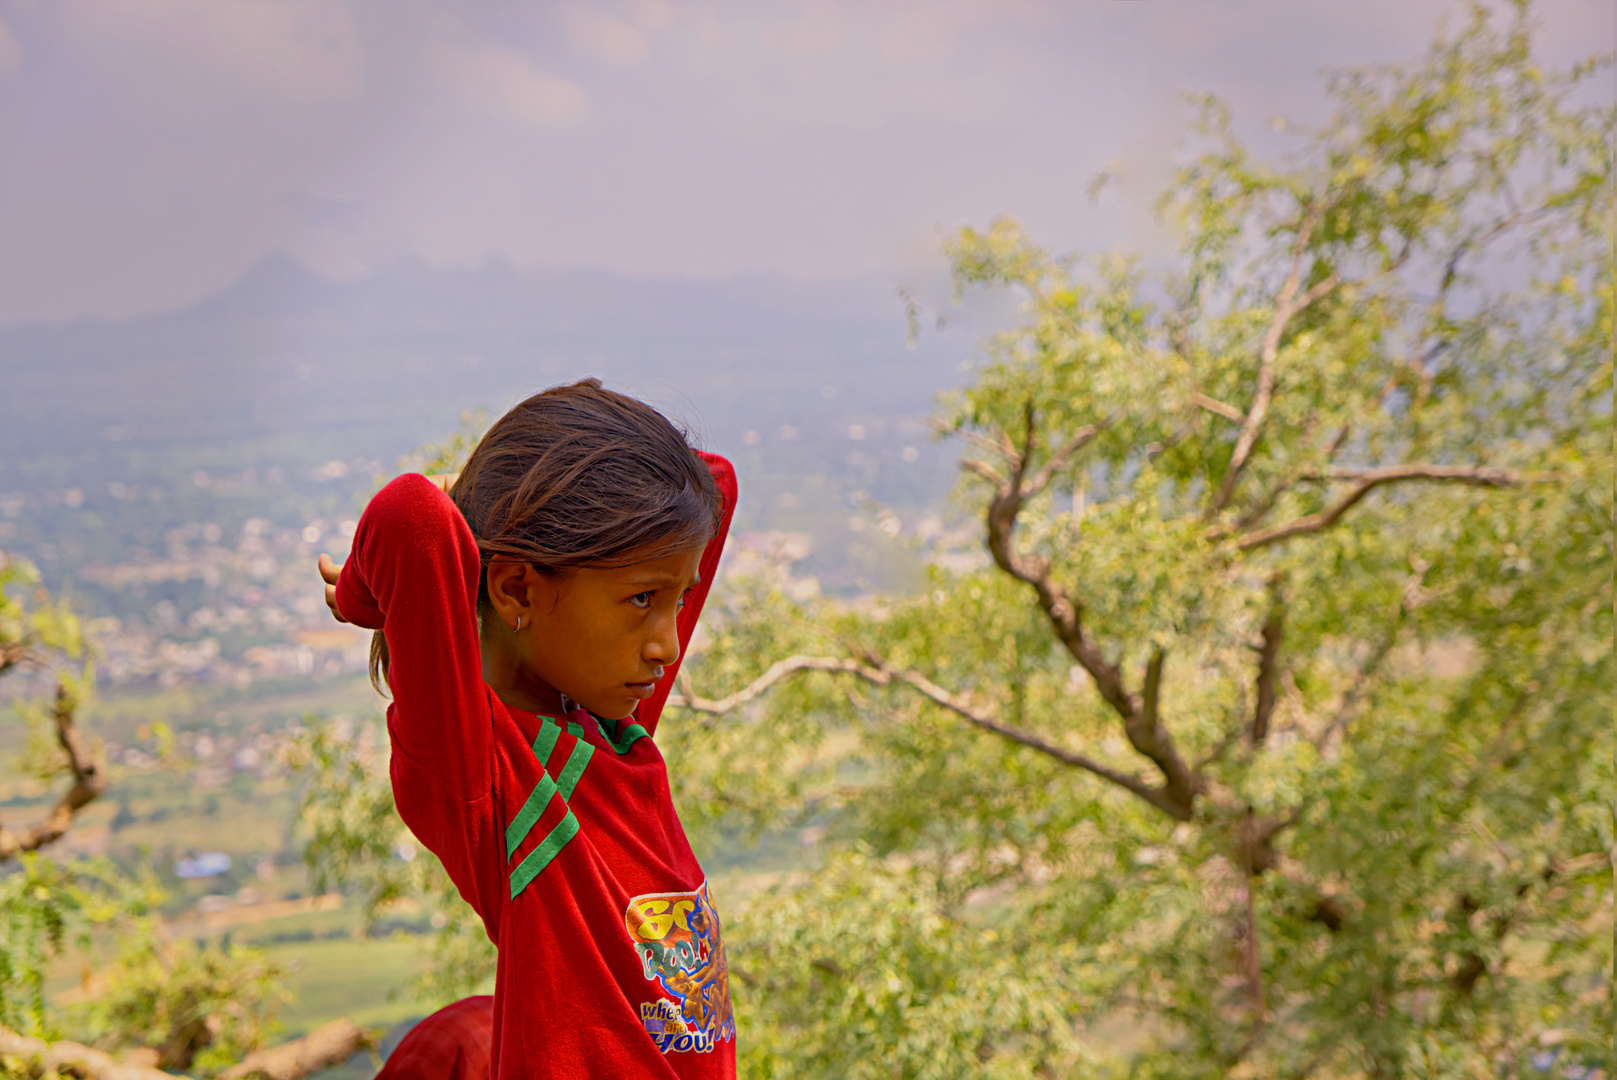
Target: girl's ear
516,589
508,591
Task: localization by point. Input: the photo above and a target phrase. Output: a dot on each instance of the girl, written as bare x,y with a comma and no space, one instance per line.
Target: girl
532,621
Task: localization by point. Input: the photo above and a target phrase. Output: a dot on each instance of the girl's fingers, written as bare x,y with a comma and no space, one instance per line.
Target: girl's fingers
328,573
331,602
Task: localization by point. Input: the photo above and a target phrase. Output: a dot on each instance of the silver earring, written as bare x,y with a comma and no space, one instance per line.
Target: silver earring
659,672
518,628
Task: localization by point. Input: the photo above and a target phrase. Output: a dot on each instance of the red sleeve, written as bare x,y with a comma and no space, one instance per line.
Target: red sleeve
413,574
649,711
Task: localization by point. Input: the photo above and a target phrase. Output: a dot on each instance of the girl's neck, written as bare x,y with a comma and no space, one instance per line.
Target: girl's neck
510,679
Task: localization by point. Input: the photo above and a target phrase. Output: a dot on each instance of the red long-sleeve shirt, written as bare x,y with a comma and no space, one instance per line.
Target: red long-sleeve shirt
559,831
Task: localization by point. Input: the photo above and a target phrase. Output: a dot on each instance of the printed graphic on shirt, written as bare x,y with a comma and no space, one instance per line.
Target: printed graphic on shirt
676,936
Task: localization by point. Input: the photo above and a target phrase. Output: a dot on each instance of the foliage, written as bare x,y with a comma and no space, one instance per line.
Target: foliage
199,1006
356,841
1283,714
863,973
43,643
178,998
32,625
202,1007
36,902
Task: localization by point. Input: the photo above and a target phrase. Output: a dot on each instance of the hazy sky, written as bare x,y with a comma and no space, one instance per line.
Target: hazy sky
152,150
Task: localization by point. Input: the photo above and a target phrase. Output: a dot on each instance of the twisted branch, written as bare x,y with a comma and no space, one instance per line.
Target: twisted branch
1012,489
876,672
780,669
89,781
1368,481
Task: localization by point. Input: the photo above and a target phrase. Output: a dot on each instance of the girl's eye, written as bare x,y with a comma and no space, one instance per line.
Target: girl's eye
641,600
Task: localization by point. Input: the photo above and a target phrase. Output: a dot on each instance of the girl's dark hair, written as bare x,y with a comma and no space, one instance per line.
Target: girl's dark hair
580,476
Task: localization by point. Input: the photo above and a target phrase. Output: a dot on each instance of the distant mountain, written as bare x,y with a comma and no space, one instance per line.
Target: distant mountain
398,355
281,397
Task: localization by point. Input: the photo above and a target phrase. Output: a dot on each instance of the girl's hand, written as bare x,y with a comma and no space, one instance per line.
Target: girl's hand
328,573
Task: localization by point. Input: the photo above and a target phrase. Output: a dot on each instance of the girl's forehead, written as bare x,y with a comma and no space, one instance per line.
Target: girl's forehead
679,568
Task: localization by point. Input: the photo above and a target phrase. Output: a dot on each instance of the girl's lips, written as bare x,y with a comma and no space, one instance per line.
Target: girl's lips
641,689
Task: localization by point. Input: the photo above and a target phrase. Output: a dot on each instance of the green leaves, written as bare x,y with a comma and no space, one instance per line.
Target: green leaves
35,905
203,1007
860,974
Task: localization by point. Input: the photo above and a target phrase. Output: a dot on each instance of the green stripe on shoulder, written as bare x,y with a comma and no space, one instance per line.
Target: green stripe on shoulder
541,856
574,769
542,792
538,799
545,741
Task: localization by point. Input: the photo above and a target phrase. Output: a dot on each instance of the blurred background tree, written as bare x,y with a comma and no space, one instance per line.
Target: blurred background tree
1273,736
1277,734
150,1003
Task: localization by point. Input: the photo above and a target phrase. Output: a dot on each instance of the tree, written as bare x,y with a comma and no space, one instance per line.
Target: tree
1278,729
161,1004
43,641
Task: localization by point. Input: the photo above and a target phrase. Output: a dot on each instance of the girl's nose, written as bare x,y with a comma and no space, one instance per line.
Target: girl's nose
663,648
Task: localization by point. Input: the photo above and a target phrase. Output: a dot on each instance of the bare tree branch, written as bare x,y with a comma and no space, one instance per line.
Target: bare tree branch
1153,685
1368,481
984,470
1148,736
326,1046
777,671
1020,462
1261,506
1145,732
89,781
71,1059
874,670
981,441
1157,797
1213,405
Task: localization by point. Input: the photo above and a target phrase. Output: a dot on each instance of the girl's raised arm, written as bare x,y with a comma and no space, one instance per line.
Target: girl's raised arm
648,712
413,574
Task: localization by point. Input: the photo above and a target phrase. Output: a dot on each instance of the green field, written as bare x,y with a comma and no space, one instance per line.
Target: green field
366,980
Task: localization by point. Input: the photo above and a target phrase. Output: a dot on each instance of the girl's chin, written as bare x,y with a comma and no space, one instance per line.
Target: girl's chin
618,707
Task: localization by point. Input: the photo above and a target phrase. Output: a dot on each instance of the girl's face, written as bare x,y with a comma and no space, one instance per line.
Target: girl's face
598,636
